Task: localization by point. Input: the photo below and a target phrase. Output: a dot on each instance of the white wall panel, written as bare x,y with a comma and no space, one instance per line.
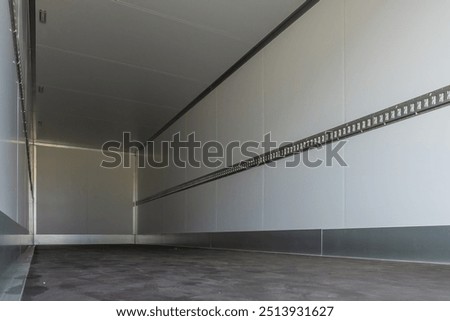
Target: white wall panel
174,215
202,120
174,175
201,208
304,197
395,50
240,107
303,74
240,201
109,197
150,217
398,175
61,191
76,196
151,180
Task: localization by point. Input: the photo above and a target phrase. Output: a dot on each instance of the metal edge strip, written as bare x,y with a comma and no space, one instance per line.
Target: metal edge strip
82,239
405,110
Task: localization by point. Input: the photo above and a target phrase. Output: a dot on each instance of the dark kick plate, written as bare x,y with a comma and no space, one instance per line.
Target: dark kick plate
418,244
424,243
301,241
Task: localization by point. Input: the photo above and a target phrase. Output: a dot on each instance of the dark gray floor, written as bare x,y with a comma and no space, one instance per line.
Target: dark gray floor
160,273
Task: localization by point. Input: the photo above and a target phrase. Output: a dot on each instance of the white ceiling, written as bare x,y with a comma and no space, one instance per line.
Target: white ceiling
109,66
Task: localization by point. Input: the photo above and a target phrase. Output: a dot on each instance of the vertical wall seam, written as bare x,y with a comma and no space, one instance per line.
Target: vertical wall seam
87,182
216,196
17,151
186,215
135,196
263,214
35,193
344,103
321,242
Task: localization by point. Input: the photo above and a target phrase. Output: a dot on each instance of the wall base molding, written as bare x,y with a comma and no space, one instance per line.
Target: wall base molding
418,244
71,239
430,244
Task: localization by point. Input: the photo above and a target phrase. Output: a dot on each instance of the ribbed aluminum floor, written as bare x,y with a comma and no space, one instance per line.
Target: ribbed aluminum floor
162,273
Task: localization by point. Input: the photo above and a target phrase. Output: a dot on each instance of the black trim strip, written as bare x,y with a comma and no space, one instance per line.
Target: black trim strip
308,4
20,78
417,106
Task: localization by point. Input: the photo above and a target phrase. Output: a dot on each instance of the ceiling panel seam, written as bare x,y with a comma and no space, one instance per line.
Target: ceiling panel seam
110,97
73,115
179,20
75,53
